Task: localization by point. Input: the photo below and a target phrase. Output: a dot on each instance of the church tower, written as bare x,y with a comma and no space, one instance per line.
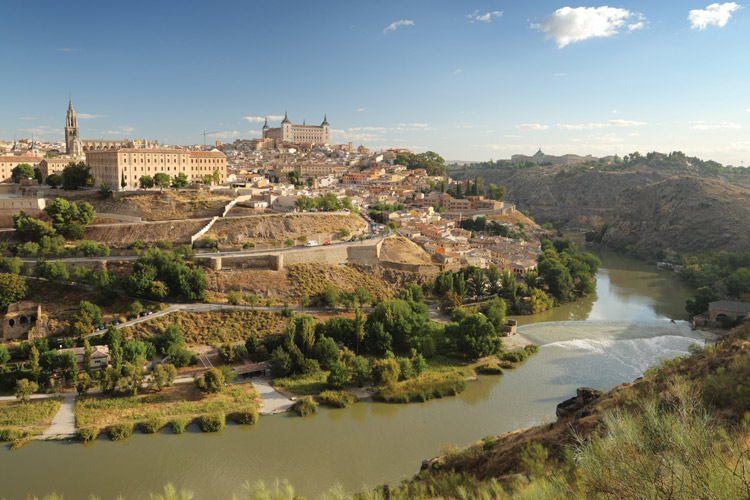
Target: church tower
72,138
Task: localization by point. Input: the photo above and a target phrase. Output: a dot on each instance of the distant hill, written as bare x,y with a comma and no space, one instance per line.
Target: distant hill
583,196
685,214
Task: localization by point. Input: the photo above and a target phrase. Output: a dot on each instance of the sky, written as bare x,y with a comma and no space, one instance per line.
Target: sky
470,80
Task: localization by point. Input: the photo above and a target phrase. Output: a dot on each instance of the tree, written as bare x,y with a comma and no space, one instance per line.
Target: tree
77,175
699,303
135,349
161,180
281,362
55,272
180,180
105,191
171,339
68,218
86,355
474,336
326,352
84,383
4,356
496,192
164,375
54,180
132,376
29,228
67,363
339,376
227,352
135,308
493,277
24,389
146,181
233,297
92,310
22,171
361,371
38,175
385,371
211,382
34,362
12,289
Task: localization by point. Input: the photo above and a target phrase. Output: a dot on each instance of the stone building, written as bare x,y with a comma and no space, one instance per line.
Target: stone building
13,204
297,134
73,145
23,319
8,163
123,168
99,356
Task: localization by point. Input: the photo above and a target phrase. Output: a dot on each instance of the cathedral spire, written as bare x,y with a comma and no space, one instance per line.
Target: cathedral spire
325,120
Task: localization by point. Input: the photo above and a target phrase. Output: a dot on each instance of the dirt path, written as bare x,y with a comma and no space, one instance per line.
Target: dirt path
64,424
273,401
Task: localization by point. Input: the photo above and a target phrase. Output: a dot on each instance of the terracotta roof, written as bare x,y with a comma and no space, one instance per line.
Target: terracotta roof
19,158
207,154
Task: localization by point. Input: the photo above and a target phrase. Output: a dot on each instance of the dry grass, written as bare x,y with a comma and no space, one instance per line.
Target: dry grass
211,328
183,400
32,417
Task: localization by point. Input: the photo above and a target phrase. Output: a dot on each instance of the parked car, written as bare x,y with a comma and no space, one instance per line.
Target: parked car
131,317
311,243
327,243
143,313
100,328
149,313
116,322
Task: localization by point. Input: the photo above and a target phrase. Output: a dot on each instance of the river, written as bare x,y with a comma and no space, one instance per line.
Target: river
601,341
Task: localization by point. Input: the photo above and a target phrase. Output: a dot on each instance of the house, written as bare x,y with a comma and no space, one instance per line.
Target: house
99,356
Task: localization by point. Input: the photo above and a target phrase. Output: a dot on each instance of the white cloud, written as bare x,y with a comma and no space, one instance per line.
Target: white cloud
86,116
397,24
597,126
715,14
225,135
704,125
475,16
32,118
262,119
67,49
635,26
458,71
512,136
120,130
359,110
568,24
532,126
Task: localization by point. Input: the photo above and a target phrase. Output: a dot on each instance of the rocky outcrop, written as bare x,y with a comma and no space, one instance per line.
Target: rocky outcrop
576,405
684,214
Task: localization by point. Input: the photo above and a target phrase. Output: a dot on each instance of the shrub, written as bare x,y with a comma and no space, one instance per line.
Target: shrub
385,371
245,417
507,365
7,435
212,381
179,425
151,425
339,376
88,433
213,422
490,369
516,356
531,349
227,352
422,389
305,406
234,297
117,432
337,399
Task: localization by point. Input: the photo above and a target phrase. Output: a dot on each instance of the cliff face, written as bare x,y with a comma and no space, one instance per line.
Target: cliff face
583,199
685,214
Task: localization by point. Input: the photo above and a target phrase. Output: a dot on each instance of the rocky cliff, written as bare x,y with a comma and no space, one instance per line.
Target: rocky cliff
685,214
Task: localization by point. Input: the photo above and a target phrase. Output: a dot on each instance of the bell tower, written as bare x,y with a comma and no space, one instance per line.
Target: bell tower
72,138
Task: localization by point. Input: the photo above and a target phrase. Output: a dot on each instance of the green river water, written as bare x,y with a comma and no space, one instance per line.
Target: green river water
601,341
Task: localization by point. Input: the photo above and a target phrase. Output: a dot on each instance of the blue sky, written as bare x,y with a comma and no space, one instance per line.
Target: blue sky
470,80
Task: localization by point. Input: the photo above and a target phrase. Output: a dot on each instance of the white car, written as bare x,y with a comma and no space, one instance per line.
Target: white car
311,243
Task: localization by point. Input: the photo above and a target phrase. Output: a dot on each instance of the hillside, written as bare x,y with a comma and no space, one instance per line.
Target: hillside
163,205
674,433
233,231
579,198
685,214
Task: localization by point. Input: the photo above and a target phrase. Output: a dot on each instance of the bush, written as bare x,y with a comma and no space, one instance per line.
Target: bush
88,433
422,389
531,349
385,371
516,356
234,297
227,352
212,381
337,399
179,425
213,422
117,432
152,425
489,369
305,406
7,435
245,417
339,376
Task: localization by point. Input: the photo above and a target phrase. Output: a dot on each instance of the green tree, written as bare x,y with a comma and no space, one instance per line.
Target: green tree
699,303
86,355
281,362
234,297
55,272
135,308
54,180
105,191
29,228
164,375
211,382
84,383
68,365
361,371
146,181
385,371
132,376
22,171
493,279
496,192
326,352
227,352
339,376
12,289
473,336
180,180
25,388
34,362
161,180
4,356
92,310
77,175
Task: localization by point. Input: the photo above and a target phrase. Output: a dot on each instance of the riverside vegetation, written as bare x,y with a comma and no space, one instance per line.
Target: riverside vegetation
681,433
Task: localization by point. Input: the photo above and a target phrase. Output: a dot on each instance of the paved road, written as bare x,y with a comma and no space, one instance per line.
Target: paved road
273,401
64,424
